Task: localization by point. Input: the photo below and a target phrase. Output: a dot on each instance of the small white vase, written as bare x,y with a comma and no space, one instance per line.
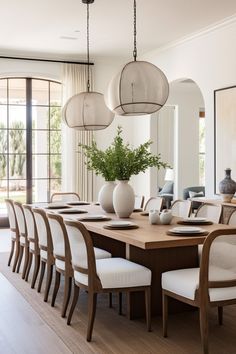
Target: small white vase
123,199
105,196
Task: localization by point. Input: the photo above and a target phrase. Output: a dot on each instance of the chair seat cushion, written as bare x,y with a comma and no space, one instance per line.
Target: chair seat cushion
43,254
118,273
22,240
100,253
60,264
185,282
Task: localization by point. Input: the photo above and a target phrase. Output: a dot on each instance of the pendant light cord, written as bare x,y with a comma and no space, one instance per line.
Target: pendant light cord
88,81
135,33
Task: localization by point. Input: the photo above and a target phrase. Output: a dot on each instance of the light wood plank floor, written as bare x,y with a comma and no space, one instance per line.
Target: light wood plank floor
21,328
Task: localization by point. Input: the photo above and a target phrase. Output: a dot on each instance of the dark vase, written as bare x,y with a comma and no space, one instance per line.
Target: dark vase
227,186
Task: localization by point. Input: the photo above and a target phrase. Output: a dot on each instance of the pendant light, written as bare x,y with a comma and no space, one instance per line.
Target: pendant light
139,88
87,110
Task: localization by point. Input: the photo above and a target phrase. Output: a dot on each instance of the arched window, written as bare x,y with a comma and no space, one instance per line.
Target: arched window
30,139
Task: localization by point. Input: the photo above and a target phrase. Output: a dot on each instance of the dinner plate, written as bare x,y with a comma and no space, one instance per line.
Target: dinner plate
72,211
95,217
195,220
79,202
120,223
187,229
57,206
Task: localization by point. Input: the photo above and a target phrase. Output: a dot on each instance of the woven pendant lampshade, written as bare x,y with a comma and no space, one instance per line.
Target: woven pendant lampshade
139,88
87,110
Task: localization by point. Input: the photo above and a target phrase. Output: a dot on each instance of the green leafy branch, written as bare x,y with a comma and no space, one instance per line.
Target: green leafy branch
120,161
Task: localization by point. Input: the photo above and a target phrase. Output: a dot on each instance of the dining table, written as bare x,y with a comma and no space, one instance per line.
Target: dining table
147,244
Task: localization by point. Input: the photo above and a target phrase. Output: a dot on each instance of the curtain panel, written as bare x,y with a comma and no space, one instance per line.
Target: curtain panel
75,175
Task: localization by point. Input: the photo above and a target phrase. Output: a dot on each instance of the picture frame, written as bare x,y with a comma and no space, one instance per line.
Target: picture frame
224,134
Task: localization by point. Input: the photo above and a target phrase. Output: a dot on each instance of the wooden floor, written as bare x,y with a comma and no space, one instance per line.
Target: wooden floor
30,326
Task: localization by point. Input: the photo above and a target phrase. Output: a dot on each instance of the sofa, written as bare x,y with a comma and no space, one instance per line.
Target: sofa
167,193
194,192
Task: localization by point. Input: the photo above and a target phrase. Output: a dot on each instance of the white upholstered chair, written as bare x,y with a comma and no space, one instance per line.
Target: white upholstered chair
15,238
34,251
46,249
62,254
24,244
210,211
213,284
138,201
102,275
181,208
232,219
154,203
64,197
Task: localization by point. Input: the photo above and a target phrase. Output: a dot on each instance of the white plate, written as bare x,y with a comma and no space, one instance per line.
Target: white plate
187,229
120,223
95,217
57,206
194,220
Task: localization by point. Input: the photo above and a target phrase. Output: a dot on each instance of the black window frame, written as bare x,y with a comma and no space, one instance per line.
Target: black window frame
29,178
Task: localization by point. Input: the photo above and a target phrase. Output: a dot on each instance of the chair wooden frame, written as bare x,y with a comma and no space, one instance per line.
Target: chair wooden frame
15,242
62,194
68,272
210,204
94,284
33,252
202,300
50,261
24,247
153,198
184,201
141,197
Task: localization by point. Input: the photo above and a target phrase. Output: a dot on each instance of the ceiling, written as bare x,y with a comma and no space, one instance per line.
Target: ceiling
57,28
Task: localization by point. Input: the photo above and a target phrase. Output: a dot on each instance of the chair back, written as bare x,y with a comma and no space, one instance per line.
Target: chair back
218,262
210,211
30,224
11,214
64,197
20,217
82,253
181,208
43,230
61,246
232,219
138,201
154,203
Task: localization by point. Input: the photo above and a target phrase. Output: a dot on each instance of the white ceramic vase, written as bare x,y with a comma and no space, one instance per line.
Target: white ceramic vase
105,196
123,199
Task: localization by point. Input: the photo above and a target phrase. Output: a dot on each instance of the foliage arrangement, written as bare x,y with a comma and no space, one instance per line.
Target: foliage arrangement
121,161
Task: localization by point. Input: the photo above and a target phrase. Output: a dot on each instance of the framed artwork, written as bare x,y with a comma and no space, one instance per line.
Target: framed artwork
225,133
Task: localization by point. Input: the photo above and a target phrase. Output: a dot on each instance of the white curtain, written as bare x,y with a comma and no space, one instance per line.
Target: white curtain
75,176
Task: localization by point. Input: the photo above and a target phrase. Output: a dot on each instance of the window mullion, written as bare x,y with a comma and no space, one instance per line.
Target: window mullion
29,188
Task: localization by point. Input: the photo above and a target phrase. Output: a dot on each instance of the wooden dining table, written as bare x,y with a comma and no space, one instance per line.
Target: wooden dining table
149,245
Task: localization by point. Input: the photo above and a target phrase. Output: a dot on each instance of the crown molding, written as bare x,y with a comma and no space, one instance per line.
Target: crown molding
228,21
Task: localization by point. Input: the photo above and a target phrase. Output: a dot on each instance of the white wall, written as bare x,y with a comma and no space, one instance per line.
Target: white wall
27,68
209,60
188,100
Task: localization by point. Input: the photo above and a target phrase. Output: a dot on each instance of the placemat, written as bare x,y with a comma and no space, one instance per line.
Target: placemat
72,211
195,234
120,227
92,220
181,222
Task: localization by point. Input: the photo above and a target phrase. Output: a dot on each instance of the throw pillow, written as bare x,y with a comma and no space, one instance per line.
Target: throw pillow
195,194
